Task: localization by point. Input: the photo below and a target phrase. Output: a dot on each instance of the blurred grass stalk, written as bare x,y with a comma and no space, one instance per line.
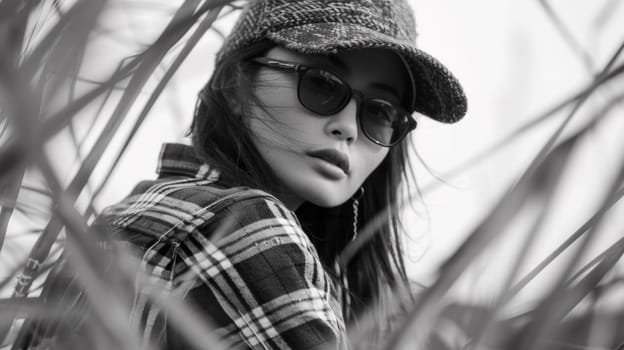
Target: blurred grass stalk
35,74
34,79
535,184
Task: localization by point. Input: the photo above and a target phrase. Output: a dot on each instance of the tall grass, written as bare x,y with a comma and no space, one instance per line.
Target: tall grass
43,95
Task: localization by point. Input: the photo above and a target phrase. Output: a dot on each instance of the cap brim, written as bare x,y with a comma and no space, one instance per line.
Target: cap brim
438,94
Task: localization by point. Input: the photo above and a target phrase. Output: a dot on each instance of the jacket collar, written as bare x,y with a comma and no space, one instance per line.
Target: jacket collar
180,160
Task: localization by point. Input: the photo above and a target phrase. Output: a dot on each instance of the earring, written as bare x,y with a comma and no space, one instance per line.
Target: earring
356,204
342,273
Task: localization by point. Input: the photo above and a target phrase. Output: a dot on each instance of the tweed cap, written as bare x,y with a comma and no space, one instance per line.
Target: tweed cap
323,27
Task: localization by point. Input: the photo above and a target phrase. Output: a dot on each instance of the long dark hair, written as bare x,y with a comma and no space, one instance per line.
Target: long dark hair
221,137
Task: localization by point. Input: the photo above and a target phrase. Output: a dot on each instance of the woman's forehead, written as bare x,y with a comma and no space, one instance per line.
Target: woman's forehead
367,67
379,68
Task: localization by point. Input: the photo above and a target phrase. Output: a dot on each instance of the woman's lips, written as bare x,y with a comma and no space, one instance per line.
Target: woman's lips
332,156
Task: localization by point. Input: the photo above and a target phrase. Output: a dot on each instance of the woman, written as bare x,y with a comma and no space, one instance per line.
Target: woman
298,141
308,107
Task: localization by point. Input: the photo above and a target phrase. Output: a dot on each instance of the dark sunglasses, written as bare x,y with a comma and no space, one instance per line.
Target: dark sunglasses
325,93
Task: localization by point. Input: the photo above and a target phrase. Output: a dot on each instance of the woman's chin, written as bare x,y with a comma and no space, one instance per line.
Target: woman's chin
327,200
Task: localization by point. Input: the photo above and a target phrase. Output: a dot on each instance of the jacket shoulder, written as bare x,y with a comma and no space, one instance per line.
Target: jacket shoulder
173,208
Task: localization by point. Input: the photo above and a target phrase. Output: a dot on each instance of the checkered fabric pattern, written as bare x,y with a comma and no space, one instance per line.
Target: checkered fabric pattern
323,27
237,254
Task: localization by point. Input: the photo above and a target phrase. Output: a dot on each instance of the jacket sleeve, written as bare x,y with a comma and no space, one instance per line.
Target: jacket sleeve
259,279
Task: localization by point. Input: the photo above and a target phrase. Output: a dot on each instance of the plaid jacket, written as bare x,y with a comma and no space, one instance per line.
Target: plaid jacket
237,254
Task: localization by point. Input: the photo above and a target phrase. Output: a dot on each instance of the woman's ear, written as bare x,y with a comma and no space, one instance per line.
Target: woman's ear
234,104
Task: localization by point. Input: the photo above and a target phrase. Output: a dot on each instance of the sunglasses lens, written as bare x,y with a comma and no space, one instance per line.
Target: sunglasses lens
383,122
322,92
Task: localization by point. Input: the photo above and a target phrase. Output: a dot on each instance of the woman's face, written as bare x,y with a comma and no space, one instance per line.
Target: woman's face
301,146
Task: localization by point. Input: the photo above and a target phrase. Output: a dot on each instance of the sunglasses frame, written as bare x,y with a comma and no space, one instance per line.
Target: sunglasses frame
301,69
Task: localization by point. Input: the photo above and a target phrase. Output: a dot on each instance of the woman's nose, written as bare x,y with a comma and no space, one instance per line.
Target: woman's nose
343,125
